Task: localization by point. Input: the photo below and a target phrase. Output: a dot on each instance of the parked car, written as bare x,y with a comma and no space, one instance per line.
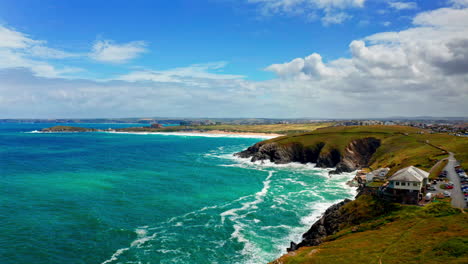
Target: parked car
446,194
431,188
449,186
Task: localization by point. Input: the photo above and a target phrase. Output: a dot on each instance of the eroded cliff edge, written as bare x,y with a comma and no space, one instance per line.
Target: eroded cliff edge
355,155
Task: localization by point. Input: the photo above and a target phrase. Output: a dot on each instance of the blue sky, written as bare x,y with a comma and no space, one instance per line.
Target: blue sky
223,52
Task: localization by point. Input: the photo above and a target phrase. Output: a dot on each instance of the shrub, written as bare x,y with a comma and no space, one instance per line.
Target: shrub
455,246
440,209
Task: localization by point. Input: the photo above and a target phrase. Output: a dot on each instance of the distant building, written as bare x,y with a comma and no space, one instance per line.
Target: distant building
377,174
407,185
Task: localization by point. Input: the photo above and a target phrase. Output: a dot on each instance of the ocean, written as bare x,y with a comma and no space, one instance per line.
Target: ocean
112,198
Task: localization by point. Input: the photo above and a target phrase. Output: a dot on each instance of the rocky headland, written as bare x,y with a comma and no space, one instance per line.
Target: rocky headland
69,129
355,155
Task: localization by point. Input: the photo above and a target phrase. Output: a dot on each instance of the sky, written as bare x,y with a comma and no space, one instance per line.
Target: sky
233,58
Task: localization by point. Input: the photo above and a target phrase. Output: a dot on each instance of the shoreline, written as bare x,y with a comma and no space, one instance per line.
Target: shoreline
211,133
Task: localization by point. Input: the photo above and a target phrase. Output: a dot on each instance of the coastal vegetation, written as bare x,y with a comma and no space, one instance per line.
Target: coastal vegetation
399,147
68,129
391,233
270,128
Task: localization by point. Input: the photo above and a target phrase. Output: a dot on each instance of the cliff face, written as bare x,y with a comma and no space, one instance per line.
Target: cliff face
327,225
356,154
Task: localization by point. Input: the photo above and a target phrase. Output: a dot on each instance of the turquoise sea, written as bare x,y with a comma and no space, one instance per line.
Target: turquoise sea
129,198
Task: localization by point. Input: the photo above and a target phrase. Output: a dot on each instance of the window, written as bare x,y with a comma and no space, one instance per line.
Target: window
415,184
397,183
403,184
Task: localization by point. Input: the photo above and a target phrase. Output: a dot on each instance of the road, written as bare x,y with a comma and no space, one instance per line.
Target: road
458,199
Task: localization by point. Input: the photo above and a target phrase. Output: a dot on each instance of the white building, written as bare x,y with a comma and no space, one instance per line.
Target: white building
409,178
406,185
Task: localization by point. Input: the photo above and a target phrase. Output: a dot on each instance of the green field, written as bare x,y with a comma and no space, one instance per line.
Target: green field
436,233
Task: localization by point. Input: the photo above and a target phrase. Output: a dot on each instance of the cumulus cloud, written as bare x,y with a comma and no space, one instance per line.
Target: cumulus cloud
403,5
443,17
109,51
331,10
424,62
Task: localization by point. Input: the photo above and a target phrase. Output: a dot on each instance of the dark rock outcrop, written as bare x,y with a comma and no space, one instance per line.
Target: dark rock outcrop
282,154
327,225
357,154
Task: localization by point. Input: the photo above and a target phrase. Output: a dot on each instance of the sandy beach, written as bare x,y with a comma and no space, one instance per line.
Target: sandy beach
211,133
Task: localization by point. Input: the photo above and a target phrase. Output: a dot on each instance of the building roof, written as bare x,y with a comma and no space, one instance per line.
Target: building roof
409,174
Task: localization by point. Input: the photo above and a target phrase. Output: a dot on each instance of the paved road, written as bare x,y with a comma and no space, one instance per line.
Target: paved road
457,195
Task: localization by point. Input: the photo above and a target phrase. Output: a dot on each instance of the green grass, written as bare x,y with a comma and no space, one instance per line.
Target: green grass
375,184
436,233
68,129
273,128
437,169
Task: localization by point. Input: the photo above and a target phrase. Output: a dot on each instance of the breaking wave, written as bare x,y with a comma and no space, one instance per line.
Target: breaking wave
255,228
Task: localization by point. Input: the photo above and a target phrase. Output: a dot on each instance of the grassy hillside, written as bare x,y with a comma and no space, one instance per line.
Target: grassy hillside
401,146
433,234
274,128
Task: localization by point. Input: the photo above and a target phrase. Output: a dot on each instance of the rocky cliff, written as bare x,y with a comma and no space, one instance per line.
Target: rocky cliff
327,225
357,154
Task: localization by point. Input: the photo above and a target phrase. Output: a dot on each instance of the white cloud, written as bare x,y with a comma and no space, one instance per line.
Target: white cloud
403,5
425,63
443,17
49,53
182,74
10,38
422,70
108,51
332,10
18,50
459,3
335,18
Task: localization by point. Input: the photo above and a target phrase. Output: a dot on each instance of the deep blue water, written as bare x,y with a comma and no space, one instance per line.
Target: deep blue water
128,198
